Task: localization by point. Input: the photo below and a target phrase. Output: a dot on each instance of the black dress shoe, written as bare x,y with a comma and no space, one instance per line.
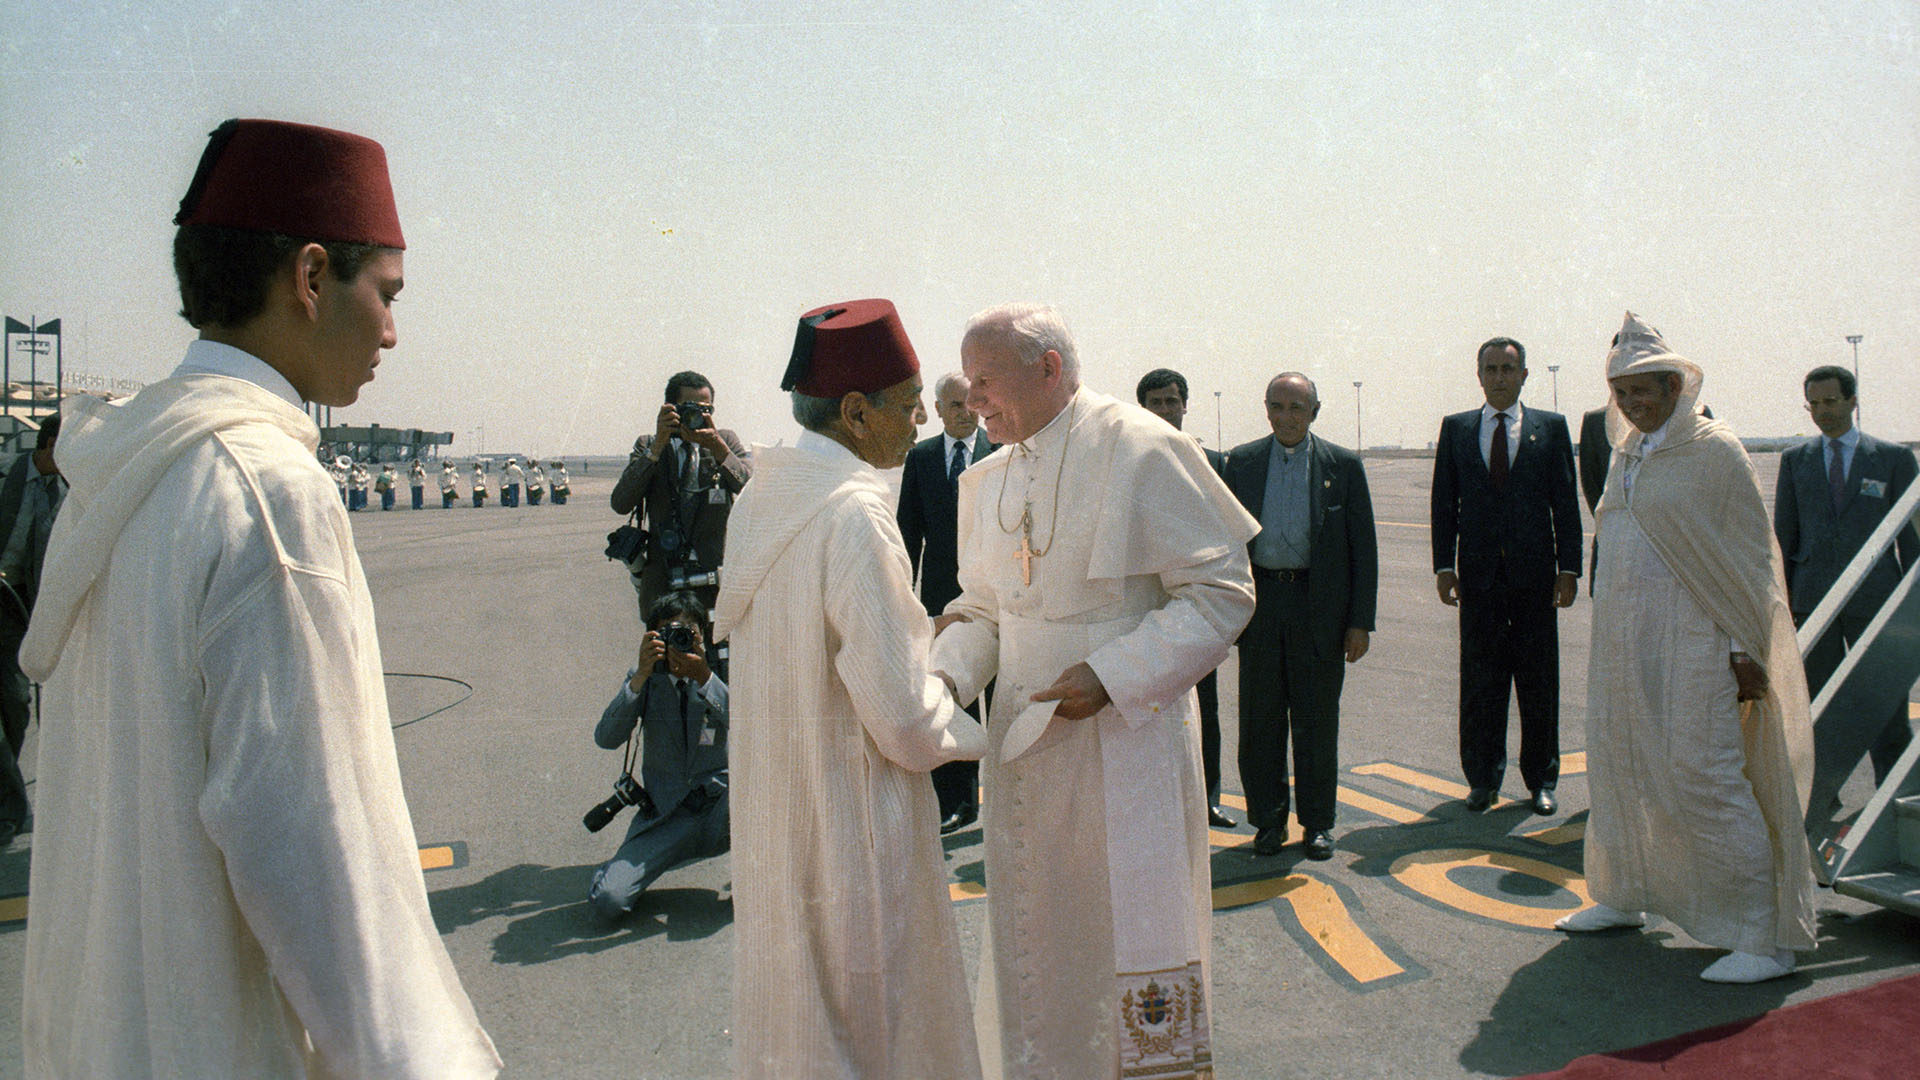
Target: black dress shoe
1270,840
1218,818
960,819
1543,803
1479,800
1319,845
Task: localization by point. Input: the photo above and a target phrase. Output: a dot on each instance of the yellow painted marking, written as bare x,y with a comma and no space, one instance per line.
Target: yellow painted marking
13,909
1559,834
1378,807
1405,524
1219,839
1242,893
1913,710
1414,778
965,890
1426,872
1573,764
436,858
1238,802
1324,915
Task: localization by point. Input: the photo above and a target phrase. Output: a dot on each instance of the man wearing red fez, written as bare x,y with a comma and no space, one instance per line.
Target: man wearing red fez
1098,611
847,962
225,880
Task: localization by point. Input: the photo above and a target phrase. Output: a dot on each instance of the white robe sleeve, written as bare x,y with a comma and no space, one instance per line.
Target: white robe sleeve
1175,646
883,641
303,798
969,652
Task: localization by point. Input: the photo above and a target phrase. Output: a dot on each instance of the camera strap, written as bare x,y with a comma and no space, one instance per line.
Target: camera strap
632,749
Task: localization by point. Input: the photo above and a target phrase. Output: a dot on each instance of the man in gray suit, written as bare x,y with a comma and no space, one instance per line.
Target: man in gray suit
1833,492
30,496
1316,570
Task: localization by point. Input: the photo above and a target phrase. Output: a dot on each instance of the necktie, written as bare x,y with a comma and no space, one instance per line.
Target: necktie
1836,475
1497,463
959,463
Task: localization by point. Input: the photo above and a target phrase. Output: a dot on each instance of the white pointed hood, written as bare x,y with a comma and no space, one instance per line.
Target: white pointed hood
112,456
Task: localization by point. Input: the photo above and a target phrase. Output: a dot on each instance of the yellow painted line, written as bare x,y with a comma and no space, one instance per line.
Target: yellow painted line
436,858
1238,802
965,890
1324,915
1219,839
1242,893
1379,807
1406,524
1426,872
1414,778
13,909
1573,764
1913,710
1559,834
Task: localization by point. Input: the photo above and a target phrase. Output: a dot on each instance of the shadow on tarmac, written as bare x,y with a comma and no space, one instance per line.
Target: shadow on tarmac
549,918
1617,989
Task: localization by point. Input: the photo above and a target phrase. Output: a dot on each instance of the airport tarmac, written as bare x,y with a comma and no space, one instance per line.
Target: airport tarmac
1423,949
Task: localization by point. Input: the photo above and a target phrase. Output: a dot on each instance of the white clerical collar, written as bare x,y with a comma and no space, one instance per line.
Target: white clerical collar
1287,452
1513,411
213,358
815,443
1054,430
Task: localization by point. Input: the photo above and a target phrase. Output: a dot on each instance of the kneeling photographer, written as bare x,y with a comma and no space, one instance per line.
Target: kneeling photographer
680,707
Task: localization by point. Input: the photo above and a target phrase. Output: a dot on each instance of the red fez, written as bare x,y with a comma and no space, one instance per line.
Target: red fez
858,345
311,182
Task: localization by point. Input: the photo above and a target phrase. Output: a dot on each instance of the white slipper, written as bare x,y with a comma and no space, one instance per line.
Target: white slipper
1598,917
1745,967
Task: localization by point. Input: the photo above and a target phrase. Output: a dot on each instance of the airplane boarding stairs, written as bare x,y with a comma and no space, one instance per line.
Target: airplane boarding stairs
1876,856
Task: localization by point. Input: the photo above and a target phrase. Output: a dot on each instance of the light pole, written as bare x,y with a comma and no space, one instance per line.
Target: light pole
1854,340
1218,439
1554,370
1359,444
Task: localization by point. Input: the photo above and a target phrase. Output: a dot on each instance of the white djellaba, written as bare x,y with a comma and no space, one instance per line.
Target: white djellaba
1697,802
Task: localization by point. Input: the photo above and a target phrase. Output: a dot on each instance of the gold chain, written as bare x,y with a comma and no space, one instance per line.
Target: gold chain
1026,508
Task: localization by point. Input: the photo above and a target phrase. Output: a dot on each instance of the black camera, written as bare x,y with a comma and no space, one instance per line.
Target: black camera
693,415
627,543
678,638
626,792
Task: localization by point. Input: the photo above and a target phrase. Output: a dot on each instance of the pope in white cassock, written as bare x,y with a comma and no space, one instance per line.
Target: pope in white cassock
225,881
1699,746
1103,572
847,962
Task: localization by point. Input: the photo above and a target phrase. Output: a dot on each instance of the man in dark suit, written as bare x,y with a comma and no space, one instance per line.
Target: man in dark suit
1316,570
1833,492
928,518
685,476
30,496
1163,392
1506,551
1596,454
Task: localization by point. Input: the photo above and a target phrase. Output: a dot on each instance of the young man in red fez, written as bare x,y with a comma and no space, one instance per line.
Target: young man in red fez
225,880
847,962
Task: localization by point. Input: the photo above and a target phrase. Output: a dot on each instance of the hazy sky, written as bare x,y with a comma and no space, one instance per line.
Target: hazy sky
596,196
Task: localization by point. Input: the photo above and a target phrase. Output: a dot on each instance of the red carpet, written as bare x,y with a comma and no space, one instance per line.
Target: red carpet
1869,1033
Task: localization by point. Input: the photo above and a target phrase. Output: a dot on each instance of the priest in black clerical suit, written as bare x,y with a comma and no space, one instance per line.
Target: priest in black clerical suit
1506,550
929,523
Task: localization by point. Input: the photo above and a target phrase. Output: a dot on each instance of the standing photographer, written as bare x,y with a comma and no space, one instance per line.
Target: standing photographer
685,475
681,707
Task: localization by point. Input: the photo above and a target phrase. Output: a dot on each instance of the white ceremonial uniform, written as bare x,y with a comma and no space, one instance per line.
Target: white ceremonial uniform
847,962
225,880
1098,891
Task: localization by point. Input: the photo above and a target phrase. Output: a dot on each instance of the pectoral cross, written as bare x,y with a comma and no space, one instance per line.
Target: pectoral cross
1026,554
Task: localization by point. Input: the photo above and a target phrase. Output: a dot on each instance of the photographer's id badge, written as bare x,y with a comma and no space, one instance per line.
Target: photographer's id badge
706,735
716,496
